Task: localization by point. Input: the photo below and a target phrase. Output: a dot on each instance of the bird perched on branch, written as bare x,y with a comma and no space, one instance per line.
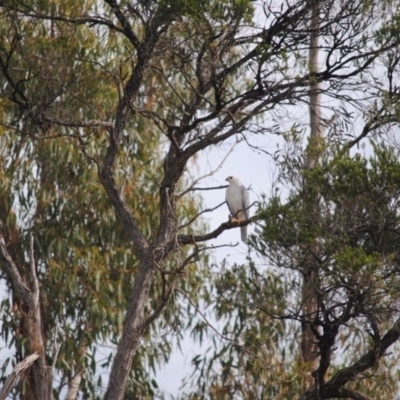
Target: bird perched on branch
238,200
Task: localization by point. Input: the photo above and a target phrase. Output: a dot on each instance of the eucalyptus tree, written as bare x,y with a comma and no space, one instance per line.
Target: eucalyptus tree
114,82
50,192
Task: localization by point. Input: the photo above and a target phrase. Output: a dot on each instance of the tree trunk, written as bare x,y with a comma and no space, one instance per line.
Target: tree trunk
132,331
309,347
42,374
43,378
28,295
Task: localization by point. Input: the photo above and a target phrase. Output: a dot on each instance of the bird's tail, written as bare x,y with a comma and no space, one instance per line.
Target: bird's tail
243,233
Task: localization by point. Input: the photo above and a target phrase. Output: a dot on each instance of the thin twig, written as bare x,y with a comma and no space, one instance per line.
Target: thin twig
200,213
208,323
219,166
159,309
56,346
83,149
206,188
78,124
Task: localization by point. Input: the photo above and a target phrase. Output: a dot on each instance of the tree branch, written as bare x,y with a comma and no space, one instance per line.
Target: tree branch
106,174
159,309
74,384
224,337
350,394
334,387
83,20
367,360
219,166
35,282
15,374
200,213
78,124
194,189
126,25
20,287
192,239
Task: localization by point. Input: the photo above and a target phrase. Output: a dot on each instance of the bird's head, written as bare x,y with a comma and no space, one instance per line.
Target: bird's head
233,180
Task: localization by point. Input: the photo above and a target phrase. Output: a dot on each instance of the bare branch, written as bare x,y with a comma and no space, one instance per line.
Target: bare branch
224,337
15,374
19,285
160,307
35,283
126,25
201,213
168,293
372,124
82,146
367,360
211,173
83,20
192,239
78,124
334,387
350,394
194,189
56,348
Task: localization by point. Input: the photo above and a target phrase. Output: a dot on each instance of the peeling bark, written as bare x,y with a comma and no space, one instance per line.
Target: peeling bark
15,374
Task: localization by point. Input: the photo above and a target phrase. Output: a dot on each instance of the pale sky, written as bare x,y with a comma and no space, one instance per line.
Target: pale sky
253,168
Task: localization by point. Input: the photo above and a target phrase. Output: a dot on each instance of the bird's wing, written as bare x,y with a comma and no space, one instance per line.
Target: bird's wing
234,199
245,201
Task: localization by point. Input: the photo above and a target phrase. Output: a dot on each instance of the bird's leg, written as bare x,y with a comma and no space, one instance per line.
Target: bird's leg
234,219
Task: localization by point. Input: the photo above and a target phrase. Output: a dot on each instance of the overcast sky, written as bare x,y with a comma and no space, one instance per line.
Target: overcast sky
254,168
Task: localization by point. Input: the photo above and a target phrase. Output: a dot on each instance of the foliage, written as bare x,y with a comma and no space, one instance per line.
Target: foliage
50,189
105,105
353,241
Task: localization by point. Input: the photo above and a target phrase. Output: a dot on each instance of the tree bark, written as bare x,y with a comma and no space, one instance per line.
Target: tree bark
132,331
29,295
73,386
42,374
309,347
316,128
13,377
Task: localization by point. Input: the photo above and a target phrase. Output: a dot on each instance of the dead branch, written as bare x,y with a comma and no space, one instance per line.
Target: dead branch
13,377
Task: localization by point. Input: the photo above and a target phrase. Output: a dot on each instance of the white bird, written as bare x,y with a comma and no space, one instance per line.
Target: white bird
238,200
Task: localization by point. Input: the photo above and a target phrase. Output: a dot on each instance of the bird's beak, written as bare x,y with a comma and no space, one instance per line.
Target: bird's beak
226,179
